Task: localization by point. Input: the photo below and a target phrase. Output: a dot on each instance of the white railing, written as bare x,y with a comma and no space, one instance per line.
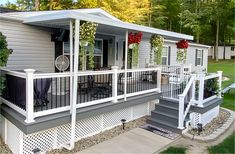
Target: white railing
197,95
202,84
60,92
183,113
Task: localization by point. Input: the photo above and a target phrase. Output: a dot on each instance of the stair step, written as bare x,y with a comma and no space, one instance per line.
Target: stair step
167,109
164,117
164,125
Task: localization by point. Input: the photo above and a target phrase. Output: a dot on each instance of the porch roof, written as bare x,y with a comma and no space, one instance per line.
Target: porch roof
62,19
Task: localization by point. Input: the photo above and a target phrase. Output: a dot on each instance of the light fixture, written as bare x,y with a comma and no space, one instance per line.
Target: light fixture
123,123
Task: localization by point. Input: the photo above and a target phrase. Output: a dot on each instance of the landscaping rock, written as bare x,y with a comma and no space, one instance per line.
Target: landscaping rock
4,149
213,125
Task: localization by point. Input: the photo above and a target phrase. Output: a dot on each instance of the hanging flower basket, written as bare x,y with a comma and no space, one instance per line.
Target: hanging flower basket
182,46
156,42
134,40
87,37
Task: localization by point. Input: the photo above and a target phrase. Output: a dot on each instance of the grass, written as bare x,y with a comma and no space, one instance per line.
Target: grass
225,147
228,68
174,150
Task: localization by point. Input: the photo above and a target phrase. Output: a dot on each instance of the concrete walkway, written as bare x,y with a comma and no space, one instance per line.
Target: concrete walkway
136,141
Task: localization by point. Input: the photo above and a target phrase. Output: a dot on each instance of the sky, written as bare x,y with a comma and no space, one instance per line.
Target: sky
5,1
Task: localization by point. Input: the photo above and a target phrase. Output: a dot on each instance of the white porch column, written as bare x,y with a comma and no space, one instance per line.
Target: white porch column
201,89
71,62
29,95
220,83
115,83
75,78
159,75
181,112
126,53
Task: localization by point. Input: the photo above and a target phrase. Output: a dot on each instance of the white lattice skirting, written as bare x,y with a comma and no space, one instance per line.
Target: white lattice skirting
56,137
204,118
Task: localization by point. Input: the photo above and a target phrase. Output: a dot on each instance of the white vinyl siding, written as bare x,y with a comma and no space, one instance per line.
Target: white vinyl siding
32,46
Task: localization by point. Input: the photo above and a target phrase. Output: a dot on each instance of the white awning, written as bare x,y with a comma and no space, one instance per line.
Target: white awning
61,20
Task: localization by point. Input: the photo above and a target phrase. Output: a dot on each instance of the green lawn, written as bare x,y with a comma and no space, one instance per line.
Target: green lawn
174,150
226,147
228,68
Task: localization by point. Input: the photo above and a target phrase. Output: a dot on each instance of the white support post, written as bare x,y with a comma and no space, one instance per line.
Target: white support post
75,78
29,96
159,72
201,90
126,53
115,83
193,88
71,63
220,83
181,112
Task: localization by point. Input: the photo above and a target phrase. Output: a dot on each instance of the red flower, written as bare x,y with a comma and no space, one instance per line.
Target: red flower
134,38
182,44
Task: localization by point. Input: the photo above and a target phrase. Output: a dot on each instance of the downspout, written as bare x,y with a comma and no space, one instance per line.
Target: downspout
126,53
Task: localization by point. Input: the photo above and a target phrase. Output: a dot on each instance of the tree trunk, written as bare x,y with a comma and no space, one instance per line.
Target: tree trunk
37,5
217,40
51,2
197,37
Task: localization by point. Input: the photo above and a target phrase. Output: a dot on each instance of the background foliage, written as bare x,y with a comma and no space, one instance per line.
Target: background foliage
209,21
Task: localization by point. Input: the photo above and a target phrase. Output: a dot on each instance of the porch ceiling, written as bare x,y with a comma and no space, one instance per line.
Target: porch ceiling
109,26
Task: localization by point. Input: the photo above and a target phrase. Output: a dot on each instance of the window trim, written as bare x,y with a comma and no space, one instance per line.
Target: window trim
201,58
167,54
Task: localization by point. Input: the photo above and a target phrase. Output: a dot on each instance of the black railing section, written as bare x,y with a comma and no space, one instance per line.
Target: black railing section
51,93
14,90
211,87
94,87
120,83
141,81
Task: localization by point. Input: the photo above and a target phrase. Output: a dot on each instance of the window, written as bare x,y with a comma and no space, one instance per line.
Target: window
232,48
165,56
199,57
66,47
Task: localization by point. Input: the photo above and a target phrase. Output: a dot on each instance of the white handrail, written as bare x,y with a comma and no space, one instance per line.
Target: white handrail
182,114
14,73
192,79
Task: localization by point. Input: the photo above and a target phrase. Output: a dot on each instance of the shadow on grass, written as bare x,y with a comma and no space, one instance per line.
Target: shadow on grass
226,147
174,150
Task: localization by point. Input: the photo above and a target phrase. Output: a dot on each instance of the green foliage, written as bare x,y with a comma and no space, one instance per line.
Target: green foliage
156,42
227,146
88,31
4,54
174,150
229,100
181,55
135,55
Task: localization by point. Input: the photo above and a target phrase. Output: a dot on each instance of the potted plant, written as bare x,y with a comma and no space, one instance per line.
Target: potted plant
87,37
134,40
182,46
4,54
156,42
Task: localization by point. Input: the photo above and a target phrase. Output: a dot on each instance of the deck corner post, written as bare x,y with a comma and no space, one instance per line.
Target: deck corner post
181,112
159,75
220,83
201,89
115,83
29,95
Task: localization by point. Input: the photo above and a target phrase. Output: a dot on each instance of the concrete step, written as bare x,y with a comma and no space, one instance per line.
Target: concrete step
164,117
164,125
